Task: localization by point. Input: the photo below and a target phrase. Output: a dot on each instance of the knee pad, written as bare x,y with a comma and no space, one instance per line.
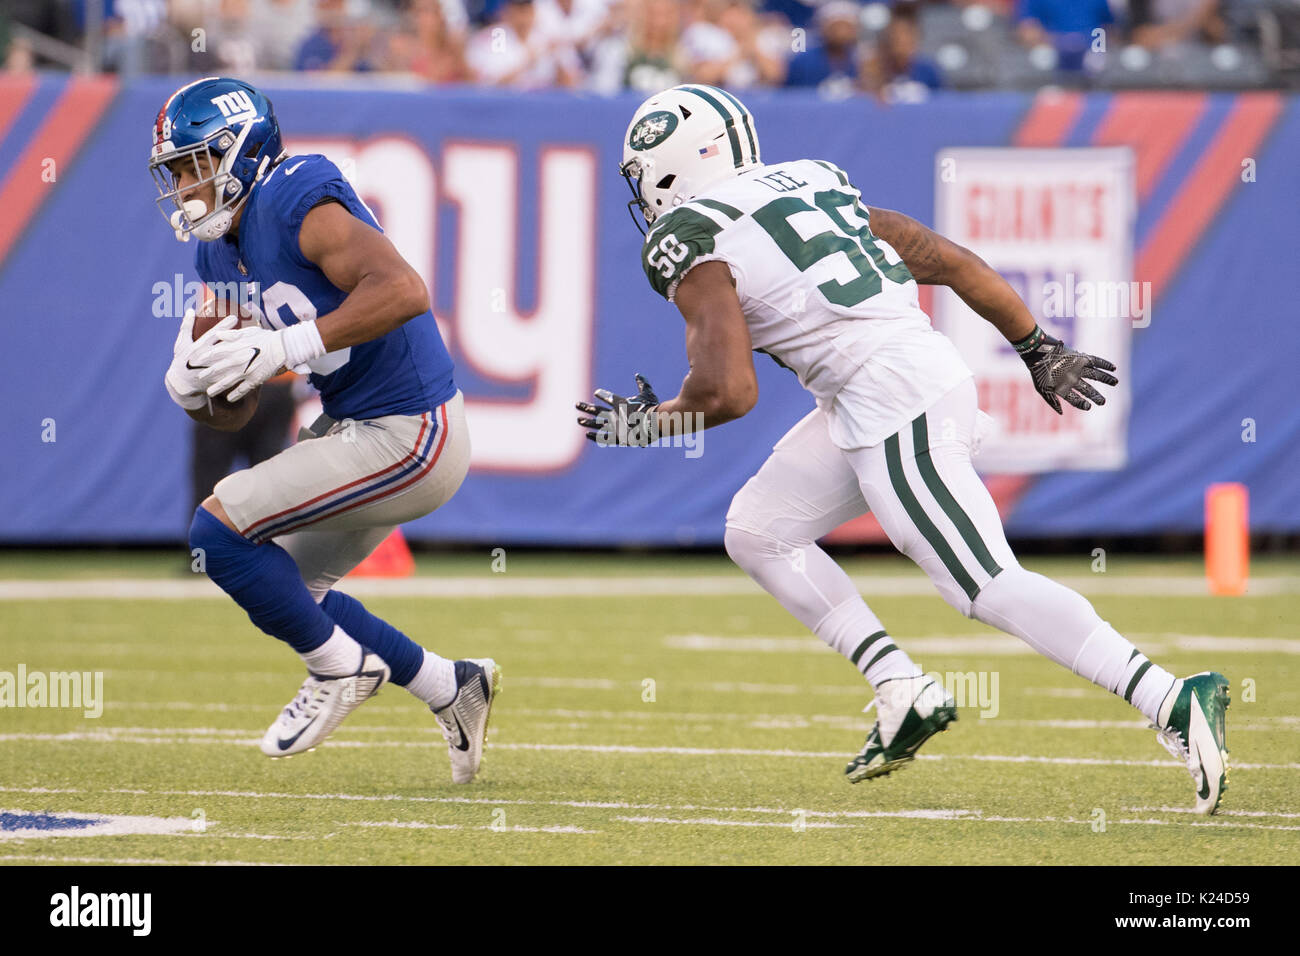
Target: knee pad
748,548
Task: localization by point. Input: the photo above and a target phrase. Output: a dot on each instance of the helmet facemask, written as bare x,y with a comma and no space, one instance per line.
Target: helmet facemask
641,212
192,217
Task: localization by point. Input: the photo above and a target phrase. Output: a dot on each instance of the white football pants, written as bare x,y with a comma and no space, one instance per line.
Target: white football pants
922,487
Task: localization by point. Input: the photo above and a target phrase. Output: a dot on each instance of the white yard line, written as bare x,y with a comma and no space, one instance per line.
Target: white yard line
757,721
417,825
797,825
510,586
985,645
208,735
943,815
714,822
1221,813
129,861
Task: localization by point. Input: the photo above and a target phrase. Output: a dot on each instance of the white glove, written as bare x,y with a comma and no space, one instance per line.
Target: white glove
242,359
183,382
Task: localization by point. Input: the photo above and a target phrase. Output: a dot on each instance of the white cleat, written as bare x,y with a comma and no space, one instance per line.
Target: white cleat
320,706
464,721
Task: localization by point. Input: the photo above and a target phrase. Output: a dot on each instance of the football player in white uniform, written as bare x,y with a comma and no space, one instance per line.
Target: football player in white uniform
787,259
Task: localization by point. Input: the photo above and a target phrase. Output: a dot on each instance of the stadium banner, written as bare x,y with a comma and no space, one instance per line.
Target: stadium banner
513,211
1058,225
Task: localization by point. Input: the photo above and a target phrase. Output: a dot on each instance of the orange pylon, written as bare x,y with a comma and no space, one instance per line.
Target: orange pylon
1227,538
392,559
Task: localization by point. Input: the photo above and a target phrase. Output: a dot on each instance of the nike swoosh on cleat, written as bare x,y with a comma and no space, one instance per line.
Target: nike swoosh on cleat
286,744
464,737
1204,792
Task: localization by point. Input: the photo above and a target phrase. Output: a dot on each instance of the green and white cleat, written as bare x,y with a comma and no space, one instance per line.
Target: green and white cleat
1192,729
909,711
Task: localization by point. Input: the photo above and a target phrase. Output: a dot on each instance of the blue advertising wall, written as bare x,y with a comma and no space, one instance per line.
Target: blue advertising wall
81,251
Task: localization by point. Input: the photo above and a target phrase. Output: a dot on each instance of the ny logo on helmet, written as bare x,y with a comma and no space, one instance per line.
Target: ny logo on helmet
652,129
236,106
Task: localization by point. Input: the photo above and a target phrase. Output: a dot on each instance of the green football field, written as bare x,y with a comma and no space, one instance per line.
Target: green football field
653,710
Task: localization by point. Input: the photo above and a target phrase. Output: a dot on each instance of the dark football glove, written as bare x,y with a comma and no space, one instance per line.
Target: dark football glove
1059,371
620,420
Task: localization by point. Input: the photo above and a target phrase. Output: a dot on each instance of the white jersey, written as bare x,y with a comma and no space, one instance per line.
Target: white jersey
820,293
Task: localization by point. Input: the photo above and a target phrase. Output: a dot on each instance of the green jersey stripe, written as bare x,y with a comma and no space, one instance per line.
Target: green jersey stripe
731,212
749,124
954,511
731,122
894,464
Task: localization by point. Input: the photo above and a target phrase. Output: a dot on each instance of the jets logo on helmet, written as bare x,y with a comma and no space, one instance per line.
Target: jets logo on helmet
217,131
682,141
652,129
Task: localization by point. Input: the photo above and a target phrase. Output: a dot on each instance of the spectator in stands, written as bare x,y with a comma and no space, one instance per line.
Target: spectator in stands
1067,25
797,13
232,39
13,57
1156,24
642,53
279,28
578,24
136,36
707,48
339,45
429,47
16,54
762,44
832,63
723,45
896,70
515,53
483,12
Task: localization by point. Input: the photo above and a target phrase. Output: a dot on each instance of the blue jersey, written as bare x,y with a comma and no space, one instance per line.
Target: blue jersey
405,372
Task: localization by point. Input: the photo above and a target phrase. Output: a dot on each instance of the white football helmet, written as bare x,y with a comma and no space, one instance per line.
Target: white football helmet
682,141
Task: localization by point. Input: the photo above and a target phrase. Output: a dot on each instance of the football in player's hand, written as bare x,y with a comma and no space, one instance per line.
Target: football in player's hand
214,309
224,414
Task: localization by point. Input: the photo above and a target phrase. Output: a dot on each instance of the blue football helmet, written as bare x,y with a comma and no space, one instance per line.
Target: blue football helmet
228,130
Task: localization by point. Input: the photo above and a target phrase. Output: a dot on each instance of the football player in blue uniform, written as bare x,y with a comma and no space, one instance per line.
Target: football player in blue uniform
333,298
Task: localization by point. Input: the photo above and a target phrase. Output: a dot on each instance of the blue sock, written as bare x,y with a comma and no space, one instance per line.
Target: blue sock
403,656
264,580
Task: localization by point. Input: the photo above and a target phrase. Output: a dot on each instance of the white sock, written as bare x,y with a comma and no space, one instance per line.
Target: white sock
435,681
816,590
854,631
1062,625
339,656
